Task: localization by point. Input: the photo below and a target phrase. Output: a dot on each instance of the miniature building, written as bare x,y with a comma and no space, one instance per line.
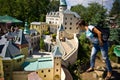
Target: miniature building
61,33
47,68
22,43
26,30
63,23
40,27
57,56
19,38
65,17
37,29
33,76
11,57
1,69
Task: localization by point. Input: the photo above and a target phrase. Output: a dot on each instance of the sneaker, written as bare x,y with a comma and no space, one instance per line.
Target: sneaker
90,70
108,77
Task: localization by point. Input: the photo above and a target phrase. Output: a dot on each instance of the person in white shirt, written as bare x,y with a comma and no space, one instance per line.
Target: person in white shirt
98,45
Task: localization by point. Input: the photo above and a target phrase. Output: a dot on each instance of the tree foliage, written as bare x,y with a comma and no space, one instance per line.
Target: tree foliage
93,14
42,44
30,10
116,8
115,35
53,6
84,49
116,11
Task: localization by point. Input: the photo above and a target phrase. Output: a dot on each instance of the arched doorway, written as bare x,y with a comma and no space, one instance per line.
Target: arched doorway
56,77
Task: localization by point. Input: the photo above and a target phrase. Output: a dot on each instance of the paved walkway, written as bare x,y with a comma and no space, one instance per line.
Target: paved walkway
67,74
68,46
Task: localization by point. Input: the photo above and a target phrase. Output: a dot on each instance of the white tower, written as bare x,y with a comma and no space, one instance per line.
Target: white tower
61,33
63,5
57,64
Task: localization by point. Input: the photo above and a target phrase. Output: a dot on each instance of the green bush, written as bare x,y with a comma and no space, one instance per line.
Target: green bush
42,44
47,33
54,36
112,55
84,49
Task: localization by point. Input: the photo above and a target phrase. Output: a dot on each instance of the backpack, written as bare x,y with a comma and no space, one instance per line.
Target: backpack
105,33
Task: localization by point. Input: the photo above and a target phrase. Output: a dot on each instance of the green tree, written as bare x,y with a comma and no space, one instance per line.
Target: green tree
82,58
84,47
116,11
116,8
32,10
115,35
97,13
93,14
54,36
42,44
53,6
7,6
81,10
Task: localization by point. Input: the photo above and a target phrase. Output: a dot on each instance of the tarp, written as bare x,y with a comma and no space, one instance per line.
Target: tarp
9,19
117,50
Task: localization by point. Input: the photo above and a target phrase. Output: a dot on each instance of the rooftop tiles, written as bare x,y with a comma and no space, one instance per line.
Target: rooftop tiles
41,63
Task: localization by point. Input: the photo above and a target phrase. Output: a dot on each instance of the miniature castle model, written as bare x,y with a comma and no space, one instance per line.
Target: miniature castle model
11,57
65,17
47,68
16,46
1,69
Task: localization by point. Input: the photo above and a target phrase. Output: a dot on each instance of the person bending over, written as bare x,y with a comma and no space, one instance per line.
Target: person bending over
98,45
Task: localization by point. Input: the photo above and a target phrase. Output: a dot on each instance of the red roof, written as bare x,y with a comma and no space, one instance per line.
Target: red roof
1,78
33,76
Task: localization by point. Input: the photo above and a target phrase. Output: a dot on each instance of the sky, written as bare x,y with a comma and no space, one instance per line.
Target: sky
106,3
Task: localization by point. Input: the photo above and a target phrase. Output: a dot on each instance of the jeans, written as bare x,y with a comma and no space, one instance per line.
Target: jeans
104,51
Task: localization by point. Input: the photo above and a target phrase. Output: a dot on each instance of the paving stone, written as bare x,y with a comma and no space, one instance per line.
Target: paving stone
100,79
99,73
115,66
95,75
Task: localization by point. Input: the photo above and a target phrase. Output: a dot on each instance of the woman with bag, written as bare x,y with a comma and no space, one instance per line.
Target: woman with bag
98,45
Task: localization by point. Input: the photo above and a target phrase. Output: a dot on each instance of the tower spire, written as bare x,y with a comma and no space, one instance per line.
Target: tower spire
26,30
63,5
